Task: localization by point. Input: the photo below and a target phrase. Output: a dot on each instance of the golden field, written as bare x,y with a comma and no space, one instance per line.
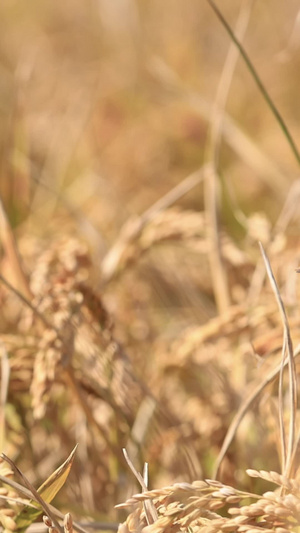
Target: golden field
141,165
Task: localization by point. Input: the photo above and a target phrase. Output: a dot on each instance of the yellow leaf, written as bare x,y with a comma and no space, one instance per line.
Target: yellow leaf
47,491
53,484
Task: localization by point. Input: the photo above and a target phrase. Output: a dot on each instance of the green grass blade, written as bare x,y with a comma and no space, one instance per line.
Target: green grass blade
258,81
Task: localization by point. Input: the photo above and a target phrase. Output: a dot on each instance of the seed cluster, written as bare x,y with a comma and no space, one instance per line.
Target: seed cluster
195,508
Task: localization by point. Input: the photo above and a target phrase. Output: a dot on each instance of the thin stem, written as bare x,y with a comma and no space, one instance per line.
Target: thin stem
258,81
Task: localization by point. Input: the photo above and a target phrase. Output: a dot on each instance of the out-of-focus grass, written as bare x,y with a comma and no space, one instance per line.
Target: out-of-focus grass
82,101
105,107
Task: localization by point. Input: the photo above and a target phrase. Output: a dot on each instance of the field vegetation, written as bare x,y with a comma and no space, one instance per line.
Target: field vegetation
149,248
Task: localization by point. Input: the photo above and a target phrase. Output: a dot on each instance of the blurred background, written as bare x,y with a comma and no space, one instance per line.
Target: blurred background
109,102
107,106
